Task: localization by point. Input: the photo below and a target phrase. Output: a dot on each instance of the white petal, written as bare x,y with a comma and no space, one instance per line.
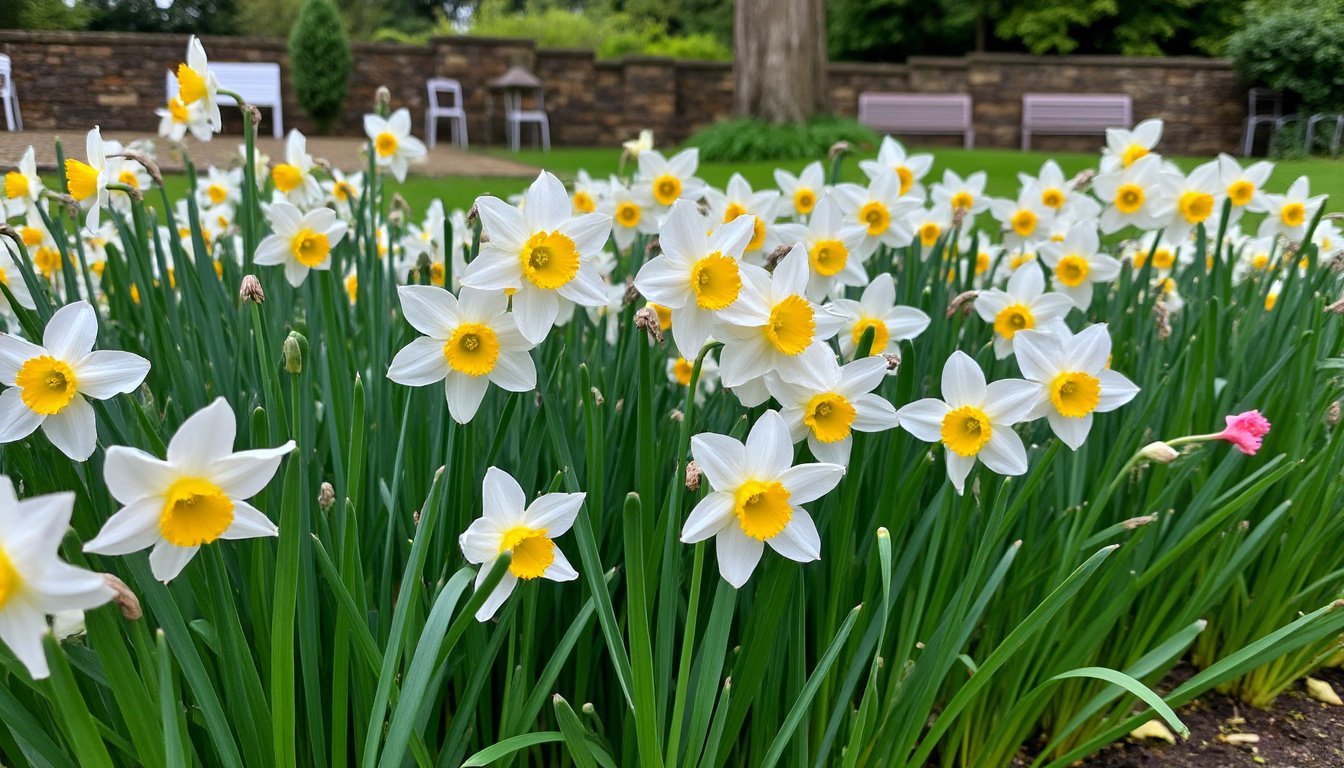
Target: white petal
924,418
721,458
501,497
132,474
958,467
133,528
708,517
22,627
873,414
74,430
589,231
480,542
464,394
769,448
738,554
963,382
419,363
106,373
14,352
70,333
429,309
1116,390
1073,431
1008,401
17,420
799,541
496,598
244,474
249,523
206,436
1004,453
807,482
560,569
502,222
168,560
515,372
535,309
554,512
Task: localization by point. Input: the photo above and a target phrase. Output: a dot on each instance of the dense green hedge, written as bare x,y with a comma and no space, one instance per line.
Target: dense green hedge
750,139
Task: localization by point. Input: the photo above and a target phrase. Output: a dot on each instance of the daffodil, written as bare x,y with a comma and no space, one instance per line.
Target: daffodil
87,182
1242,186
12,279
697,275
23,187
1026,221
679,372
670,179
301,242
34,581
962,195
1077,265
882,212
1290,213
801,193
219,187
832,244
1072,374
587,191
48,384
1059,194
541,253
640,144
738,200
908,169
1125,147
394,147
756,498
470,341
877,309
974,420
196,84
194,498
1022,306
177,119
833,404
1195,198
929,224
344,192
294,178
632,211
527,532
773,327
1132,195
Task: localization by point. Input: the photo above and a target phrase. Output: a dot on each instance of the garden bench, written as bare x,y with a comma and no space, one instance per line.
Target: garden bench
918,113
257,82
1073,114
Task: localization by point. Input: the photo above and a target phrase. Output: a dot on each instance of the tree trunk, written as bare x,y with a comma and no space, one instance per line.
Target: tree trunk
779,59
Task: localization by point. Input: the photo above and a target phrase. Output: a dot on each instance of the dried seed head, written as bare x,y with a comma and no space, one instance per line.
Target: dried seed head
654,247
693,475
598,399
1083,180
775,256
252,113
1162,317
1335,308
963,303
473,216
326,496
959,215
647,320
250,290
382,101
893,360
1332,414
631,292
676,415
837,149
123,597
1139,522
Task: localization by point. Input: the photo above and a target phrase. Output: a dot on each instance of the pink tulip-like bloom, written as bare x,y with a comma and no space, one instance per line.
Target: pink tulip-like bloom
1245,431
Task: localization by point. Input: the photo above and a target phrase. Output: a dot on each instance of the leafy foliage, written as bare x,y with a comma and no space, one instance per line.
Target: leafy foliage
319,54
748,139
1295,48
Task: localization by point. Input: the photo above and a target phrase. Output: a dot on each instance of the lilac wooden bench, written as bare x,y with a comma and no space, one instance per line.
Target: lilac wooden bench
927,113
1073,114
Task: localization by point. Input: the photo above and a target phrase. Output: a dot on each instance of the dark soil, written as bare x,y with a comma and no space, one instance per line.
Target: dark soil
1296,730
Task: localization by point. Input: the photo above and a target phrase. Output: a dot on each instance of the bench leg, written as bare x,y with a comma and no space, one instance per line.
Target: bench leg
970,138
1026,138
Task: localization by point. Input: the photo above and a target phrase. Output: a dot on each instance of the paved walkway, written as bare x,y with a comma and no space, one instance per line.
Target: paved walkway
341,151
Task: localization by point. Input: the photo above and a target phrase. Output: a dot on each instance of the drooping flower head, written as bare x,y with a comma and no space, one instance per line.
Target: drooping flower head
197,86
1245,430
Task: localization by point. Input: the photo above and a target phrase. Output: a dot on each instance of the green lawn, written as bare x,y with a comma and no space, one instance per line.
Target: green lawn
1002,165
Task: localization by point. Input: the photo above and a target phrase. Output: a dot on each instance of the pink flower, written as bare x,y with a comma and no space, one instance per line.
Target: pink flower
1245,430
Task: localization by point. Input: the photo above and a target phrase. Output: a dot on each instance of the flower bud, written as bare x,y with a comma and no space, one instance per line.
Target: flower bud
326,496
123,597
293,351
1159,452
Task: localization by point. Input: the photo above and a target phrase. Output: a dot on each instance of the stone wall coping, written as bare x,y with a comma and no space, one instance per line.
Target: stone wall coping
703,64
567,53
483,42
867,67
1094,60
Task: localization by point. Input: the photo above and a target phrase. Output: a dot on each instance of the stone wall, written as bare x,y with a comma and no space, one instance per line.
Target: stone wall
72,80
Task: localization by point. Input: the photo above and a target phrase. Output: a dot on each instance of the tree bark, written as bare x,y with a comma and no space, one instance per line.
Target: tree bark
779,59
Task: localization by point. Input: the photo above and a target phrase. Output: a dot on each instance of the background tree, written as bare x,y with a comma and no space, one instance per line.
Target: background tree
779,60
319,59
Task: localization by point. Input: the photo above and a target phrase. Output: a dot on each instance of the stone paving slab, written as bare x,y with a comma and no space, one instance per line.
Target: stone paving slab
343,152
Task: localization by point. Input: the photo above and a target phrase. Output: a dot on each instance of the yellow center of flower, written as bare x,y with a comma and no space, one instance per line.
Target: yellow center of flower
876,216
928,233
1129,198
1195,206
10,580
666,189
963,200
829,416
129,178
177,110
1072,270
716,281
804,200
47,385
791,325
310,248
1018,259
828,256
190,84
286,177
217,193
1260,262
1270,301
627,214
683,369
583,202
1163,258
47,261
907,178
195,512
1293,214
473,349
16,185
1132,154
385,144
352,287
762,509
342,191
1024,223
966,430
81,179
32,236
1013,318
1052,197
549,260
1075,394
880,334
532,552
1240,192
981,263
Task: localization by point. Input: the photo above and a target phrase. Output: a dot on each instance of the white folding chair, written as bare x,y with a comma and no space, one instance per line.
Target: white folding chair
515,116
9,94
451,109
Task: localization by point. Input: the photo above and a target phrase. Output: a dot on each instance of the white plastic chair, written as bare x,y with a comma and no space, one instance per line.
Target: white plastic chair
452,109
515,116
9,94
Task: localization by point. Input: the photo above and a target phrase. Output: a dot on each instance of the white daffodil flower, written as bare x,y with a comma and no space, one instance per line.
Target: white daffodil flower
772,326
48,385
302,241
23,186
1026,221
34,581
1077,265
541,252
528,532
220,187
344,191
587,191
829,407
738,200
632,212
1133,196
87,182
197,85
1125,147
974,420
1073,379
909,169
679,372
832,245
929,224
803,191
960,194
470,341
881,211
1058,194
294,178
394,148
193,498
12,279
1290,213
176,119
1023,305
670,179
697,275
639,145
877,309
756,497
1195,199
1240,185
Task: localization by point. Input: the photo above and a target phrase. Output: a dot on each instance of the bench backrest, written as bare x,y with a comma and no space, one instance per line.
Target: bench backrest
915,112
1075,112
257,82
